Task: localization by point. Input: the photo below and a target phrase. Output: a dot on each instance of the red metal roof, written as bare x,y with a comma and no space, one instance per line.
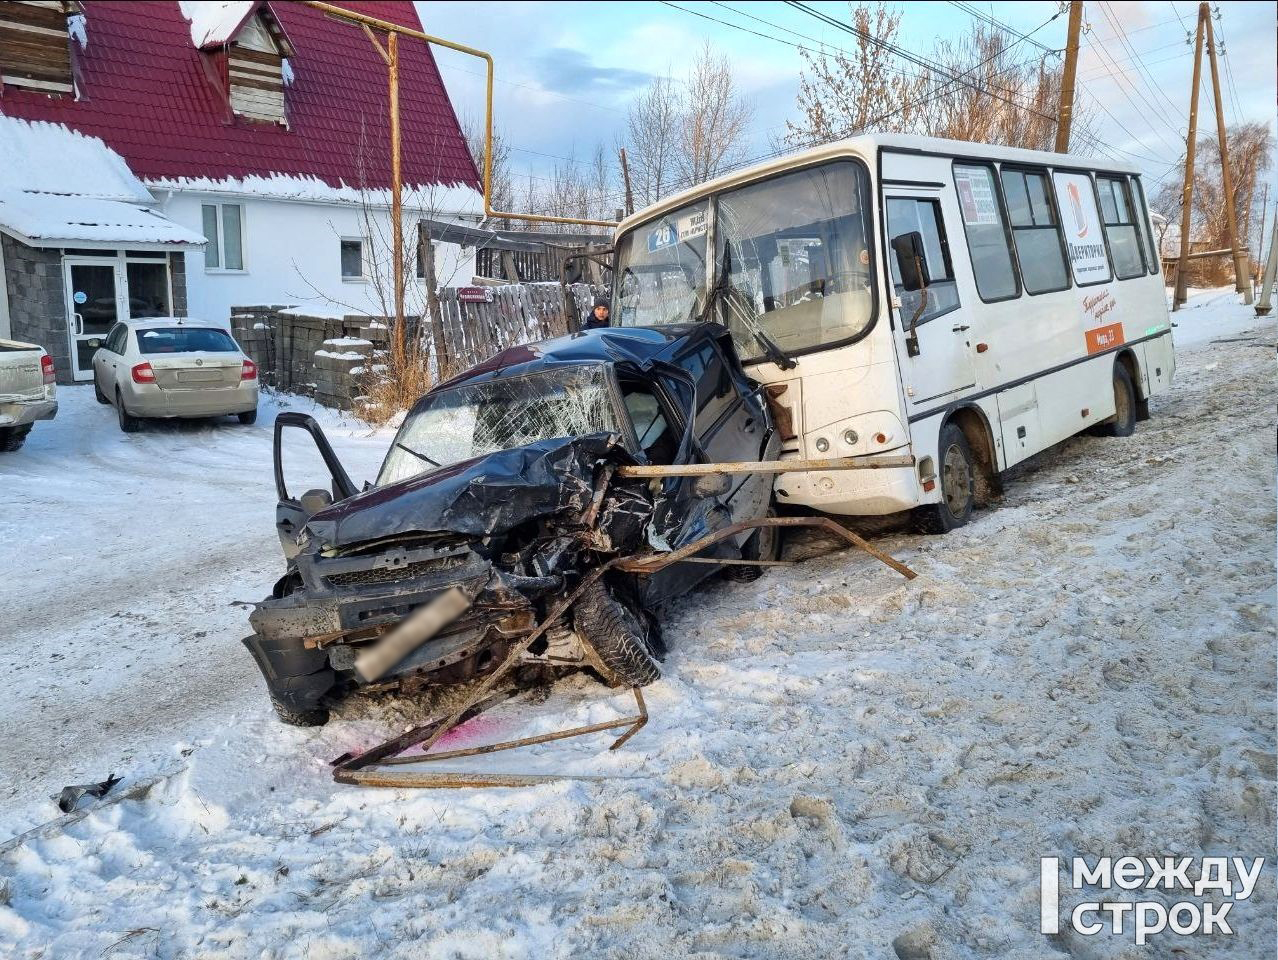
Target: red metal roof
146,92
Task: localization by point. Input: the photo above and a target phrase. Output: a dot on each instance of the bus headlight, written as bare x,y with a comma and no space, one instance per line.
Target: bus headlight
822,444
850,437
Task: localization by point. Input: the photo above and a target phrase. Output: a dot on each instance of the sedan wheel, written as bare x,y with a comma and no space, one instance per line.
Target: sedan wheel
128,423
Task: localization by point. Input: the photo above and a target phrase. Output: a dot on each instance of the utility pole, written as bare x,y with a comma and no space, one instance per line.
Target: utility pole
1241,281
625,178
1265,303
1065,113
1191,143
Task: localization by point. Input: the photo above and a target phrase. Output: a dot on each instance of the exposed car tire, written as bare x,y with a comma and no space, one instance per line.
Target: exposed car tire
618,635
128,422
12,438
1125,408
764,544
315,717
958,484
248,417
97,392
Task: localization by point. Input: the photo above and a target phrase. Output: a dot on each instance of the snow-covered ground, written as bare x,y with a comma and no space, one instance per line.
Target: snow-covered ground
839,763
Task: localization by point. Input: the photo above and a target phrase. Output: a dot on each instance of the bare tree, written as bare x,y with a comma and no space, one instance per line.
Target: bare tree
652,125
714,119
844,93
503,188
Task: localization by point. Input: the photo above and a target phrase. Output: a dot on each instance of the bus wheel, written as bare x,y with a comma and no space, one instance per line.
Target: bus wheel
1123,423
958,480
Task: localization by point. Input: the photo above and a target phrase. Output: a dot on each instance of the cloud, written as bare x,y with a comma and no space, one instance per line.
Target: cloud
562,70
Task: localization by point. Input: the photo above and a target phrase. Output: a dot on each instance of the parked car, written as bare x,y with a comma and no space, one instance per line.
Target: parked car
173,367
27,391
488,488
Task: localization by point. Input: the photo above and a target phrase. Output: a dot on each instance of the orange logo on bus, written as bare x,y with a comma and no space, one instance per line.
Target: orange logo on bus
1076,208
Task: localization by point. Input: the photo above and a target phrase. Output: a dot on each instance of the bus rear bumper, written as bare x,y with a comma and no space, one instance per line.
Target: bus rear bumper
853,493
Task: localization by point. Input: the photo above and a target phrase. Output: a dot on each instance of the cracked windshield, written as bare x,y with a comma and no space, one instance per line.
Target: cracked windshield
662,265
475,420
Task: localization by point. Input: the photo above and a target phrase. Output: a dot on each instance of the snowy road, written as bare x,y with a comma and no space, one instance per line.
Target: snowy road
839,763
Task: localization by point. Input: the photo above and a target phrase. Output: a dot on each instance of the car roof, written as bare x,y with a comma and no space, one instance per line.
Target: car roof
135,323
638,345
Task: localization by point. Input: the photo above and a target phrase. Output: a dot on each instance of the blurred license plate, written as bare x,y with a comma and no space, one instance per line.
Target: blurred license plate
199,376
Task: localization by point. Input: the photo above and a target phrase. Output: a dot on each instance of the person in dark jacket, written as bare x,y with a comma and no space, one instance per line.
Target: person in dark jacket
599,314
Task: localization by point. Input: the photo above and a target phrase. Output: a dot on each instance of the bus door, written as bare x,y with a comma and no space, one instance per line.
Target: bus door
933,331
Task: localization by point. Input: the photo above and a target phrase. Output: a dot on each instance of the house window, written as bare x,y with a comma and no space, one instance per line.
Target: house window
224,231
352,259
35,48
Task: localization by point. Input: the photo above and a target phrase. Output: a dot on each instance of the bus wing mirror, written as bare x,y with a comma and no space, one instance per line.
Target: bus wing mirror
911,260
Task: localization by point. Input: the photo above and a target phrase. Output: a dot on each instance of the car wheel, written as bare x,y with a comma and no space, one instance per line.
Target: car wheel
958,484
248,417
315,717
618,636
128,423
764,544
12,438
97,391
1125,408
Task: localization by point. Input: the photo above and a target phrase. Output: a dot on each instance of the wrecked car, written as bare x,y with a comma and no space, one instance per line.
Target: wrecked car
496,498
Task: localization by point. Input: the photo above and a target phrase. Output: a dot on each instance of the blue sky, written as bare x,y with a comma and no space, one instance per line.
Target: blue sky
566,71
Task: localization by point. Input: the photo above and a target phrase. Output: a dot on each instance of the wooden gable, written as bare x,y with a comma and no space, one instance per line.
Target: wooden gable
35,48
255,69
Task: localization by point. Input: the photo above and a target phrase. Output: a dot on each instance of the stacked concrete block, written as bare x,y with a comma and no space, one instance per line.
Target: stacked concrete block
340,365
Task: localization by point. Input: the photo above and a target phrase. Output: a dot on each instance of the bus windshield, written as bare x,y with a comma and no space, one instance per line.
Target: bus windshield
662,268
792,265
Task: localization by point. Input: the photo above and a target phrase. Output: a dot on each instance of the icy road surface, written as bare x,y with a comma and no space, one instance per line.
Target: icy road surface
839,763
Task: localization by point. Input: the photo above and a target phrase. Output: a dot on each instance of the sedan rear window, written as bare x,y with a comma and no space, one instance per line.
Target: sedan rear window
185,340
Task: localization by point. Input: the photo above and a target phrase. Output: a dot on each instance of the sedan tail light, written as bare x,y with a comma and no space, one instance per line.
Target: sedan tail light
248,371
143,373
46,368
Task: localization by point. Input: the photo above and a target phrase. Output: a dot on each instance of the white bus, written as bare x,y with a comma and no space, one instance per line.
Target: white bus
967,304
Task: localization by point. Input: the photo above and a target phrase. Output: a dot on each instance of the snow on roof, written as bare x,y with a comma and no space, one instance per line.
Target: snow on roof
215,22
50,158
437,198
62,186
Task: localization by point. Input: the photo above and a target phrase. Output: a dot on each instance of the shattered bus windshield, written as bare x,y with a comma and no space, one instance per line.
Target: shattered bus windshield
475,420
662,266
792,266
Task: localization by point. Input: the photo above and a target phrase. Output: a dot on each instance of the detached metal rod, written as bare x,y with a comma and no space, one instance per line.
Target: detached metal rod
766,466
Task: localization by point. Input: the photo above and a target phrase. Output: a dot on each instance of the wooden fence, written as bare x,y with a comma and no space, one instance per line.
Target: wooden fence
515,313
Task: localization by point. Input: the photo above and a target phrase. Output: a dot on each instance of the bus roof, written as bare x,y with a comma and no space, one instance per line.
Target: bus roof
866,147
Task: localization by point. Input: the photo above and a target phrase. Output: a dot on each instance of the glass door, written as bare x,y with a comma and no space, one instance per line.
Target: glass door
92,307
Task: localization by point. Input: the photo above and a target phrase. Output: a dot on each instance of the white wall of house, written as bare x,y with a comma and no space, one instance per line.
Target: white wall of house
292,254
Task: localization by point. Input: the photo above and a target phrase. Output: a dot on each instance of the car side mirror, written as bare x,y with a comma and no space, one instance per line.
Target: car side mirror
711,485
911,260
94,342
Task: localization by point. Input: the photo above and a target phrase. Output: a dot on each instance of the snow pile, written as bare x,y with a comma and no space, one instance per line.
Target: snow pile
60,185
838,763
214,22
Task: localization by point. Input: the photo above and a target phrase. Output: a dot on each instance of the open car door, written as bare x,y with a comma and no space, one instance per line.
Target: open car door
292,510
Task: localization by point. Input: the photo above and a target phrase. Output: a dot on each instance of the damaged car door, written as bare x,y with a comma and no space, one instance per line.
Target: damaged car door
292,511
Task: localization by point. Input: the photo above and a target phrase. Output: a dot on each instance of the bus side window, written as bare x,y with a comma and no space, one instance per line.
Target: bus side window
1040,248
987,238
923,215
1142,221
1119,214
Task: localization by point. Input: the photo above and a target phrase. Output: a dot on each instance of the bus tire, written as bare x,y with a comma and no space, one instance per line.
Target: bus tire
764,544
958,484
1123,423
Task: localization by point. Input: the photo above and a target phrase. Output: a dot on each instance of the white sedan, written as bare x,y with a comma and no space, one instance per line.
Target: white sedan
167,367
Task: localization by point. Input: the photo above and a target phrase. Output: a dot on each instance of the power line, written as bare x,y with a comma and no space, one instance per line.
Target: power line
1101,52
971,11
1146,77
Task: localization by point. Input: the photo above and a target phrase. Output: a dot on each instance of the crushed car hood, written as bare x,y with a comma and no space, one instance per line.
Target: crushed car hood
479,497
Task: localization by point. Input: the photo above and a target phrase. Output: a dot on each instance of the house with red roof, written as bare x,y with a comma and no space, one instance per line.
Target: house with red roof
187,158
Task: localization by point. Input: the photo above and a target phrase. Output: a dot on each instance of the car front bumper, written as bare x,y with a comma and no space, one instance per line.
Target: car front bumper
22,412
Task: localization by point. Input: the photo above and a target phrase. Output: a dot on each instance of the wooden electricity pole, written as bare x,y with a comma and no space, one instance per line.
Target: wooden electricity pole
1065,113
1191,142
625,178
1241,281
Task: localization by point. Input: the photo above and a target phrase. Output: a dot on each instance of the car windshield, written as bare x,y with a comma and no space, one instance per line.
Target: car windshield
473,420
662,266
792,268
185,340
